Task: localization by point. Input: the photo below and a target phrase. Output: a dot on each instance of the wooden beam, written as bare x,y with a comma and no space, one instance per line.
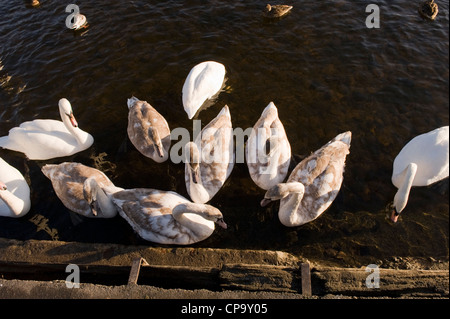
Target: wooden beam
306,279
135,269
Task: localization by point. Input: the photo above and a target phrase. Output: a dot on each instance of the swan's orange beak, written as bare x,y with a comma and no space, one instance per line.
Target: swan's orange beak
394,215
72,120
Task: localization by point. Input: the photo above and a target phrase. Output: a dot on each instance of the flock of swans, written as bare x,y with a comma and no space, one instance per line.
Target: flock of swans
168,218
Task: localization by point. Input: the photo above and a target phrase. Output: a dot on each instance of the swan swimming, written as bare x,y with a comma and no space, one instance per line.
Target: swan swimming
148,130
210,159
203,82
82,189
166,217
14,192
313,184
421,162
268,152
46,139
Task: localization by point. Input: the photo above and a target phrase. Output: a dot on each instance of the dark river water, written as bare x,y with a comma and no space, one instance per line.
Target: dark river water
322,67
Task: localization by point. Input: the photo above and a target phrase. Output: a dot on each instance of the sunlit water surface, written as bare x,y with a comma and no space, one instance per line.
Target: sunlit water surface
323,68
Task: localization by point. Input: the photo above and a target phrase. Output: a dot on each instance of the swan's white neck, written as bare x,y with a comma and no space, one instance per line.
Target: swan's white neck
197,191
102,196
17,206
288,212
79,135
405,178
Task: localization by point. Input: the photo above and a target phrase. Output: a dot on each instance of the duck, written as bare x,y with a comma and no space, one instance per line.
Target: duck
148,130
14,192
428,9
209,160
313,184
47,139
165,217
82,189
276,11
204,81
268,152
423,161
79,22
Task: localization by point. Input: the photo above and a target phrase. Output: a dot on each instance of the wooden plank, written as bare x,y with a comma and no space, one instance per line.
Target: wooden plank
259,278
135,269
306,279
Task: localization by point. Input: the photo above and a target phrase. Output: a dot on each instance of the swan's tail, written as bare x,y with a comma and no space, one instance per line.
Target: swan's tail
345,137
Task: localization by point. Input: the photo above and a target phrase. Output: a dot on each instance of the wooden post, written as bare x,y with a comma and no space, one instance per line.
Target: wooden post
135,269
306,279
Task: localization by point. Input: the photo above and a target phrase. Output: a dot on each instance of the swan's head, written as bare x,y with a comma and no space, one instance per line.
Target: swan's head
281,191
3,186
65,108
392,212
268,7
90,187
193,161
213,214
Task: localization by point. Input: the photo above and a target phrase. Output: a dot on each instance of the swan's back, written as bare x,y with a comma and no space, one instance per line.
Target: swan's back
430,151
272,169
217,154
141,117
17,185
203,82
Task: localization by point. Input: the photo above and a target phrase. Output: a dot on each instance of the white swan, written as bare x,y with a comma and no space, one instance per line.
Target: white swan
14,192
166,217
203,82
210,159
421,162
82,189
79,22
46,139
148,130
313,184
268,152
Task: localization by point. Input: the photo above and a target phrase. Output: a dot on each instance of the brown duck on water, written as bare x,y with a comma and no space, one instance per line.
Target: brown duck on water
276,11
428,9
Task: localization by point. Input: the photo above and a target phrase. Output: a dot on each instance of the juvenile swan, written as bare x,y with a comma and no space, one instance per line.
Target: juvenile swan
166,217
313,184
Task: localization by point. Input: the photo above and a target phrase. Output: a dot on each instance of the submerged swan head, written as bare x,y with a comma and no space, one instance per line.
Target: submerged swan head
281,191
